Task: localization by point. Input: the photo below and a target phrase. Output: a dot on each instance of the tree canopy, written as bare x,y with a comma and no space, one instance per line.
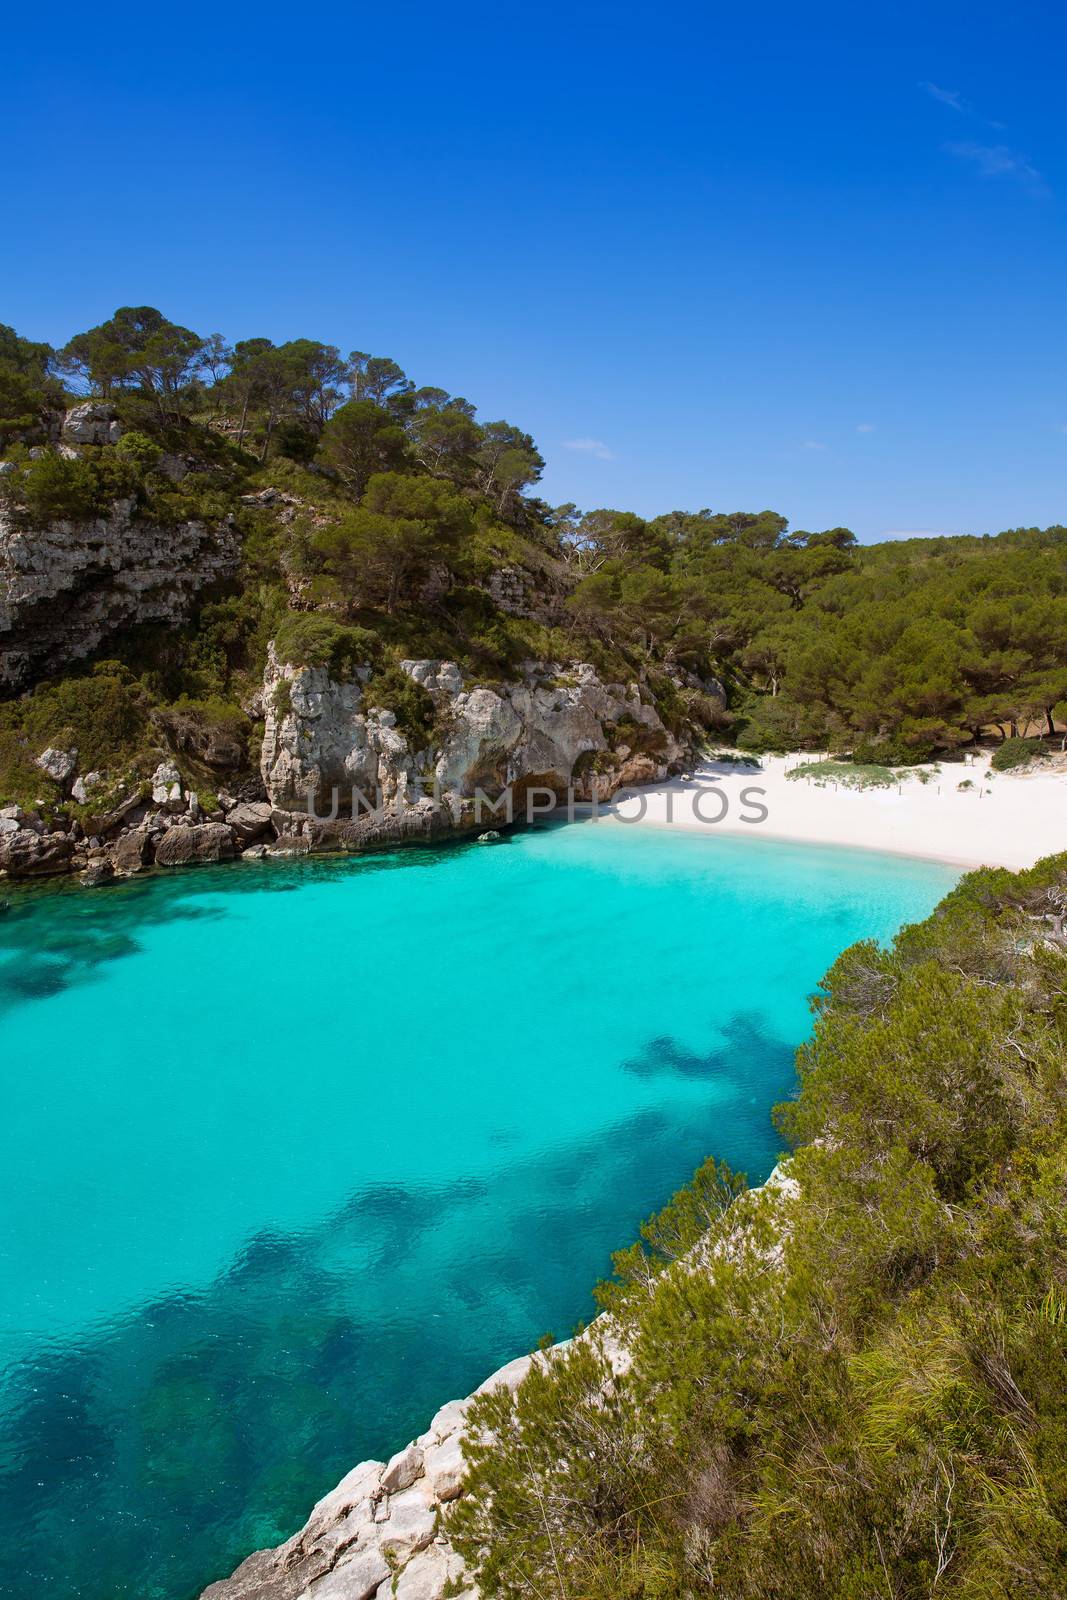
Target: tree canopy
896,651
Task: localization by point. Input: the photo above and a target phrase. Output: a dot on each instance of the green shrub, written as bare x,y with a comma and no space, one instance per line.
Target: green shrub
856,1389
102,716
137,447
306,639
53,487
846,773
1015,753
393,690
892,752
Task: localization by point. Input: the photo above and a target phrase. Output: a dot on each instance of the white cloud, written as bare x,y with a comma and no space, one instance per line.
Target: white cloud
998,161
590,447
865,427
947,97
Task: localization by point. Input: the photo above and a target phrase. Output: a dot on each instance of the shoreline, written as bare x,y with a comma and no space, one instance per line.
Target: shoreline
1005,820
381,1533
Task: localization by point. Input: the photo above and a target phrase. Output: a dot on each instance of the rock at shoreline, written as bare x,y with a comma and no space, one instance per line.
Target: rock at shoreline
26,853
250,820
130,851
397,1509
196,845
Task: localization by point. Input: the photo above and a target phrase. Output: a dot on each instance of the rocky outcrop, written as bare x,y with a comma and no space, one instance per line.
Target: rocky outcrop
194,845
66,586
555,729
93,422
34,851
382,1531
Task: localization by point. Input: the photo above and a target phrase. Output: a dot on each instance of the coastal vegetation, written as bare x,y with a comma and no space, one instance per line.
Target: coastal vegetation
377,520
854,1385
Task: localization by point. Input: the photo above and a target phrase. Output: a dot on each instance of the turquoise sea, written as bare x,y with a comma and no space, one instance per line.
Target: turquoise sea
293,1153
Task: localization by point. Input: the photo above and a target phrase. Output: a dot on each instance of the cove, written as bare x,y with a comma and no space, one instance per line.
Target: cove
293,1153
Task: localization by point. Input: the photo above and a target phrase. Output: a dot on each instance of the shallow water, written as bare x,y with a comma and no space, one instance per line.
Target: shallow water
294,1153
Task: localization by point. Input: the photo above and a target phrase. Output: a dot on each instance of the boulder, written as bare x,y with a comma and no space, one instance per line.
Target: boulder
409,1525
28,854
79,791
97,873
196,845
130,851
355,1578
450,1417
402,1469
431,1575
59,765
250,820
167,785
445,1468
91,423
129,810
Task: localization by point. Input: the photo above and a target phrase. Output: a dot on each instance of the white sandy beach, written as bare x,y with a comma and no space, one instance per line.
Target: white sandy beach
1007,820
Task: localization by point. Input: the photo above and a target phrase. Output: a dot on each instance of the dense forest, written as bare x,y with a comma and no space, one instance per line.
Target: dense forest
861,1390
376,519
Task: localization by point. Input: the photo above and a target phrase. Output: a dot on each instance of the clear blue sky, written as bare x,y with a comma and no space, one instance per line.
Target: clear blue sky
806,257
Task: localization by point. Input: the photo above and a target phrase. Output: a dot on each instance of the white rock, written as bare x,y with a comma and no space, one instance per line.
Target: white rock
353,1579
91,423
445,1468
402,1469
450,1417
58,764
81,786
166,784
507,1377
410,1525
358,1485
428,1575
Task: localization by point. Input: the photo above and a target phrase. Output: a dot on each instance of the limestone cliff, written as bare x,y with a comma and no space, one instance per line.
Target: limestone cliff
66,586
556,728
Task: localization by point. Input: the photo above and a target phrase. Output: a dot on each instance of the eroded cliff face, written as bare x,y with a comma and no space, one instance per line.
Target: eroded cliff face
66,586
557,728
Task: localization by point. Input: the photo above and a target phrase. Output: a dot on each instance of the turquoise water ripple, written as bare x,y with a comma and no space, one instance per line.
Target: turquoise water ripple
294,1153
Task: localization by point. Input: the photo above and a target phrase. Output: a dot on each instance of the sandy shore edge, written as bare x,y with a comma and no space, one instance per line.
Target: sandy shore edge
997,820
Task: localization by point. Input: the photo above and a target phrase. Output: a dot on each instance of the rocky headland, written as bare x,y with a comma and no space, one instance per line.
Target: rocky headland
383,1531
558,728
307,758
